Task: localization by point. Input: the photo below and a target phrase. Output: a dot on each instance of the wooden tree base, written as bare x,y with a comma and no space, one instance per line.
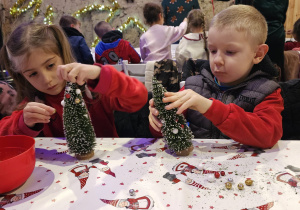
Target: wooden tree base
185,152
85,156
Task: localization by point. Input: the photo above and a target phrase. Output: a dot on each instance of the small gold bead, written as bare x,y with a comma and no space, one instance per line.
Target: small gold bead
241,186
249,182
228,185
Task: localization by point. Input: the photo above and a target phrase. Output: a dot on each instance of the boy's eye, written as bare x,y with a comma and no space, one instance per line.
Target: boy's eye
212,51
230,52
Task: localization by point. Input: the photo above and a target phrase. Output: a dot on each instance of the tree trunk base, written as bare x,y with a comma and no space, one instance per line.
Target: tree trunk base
85,156
185,152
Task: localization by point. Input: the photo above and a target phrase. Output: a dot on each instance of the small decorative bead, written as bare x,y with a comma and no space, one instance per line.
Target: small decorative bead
230,180
77,100
241,186
78,91
200,167
223,173
68,95
217,175
68,88
249,182
228,185
62,103
175,131
211,178
131,192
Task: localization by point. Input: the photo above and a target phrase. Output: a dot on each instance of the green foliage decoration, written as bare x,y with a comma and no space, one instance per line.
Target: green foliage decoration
78,129
175,130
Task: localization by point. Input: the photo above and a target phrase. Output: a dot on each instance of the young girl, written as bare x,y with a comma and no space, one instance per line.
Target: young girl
39,59
155,43
193,44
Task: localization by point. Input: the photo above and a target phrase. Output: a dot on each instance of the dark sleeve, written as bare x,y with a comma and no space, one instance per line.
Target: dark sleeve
85,52
196,5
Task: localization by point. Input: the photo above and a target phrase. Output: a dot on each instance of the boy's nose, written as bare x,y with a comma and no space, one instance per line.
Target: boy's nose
218,59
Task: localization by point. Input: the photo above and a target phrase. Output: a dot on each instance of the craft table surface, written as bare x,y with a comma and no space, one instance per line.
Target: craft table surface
148,167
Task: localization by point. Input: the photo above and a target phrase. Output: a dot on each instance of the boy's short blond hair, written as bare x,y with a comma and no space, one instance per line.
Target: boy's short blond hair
243,18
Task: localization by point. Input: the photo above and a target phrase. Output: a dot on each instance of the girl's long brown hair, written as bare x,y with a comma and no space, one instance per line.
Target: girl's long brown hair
25,38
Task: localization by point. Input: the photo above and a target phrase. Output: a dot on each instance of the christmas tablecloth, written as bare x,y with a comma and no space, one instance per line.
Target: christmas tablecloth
144,174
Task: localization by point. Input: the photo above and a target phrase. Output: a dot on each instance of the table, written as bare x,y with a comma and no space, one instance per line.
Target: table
159,179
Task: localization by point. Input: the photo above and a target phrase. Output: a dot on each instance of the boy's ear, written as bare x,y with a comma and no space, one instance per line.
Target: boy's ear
72,25
260,53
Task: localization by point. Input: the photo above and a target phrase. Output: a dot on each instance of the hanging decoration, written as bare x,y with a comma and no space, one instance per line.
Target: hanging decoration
18,9
48,19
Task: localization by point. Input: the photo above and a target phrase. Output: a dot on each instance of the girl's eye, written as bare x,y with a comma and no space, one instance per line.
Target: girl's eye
32,74
51,65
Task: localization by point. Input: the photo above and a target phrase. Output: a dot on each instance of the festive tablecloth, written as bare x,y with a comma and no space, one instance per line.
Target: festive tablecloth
143,174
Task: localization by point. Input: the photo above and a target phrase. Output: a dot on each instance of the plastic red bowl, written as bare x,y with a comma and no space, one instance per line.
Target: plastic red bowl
17,161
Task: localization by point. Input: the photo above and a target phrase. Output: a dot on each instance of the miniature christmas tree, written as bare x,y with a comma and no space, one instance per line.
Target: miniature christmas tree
79,132
175,130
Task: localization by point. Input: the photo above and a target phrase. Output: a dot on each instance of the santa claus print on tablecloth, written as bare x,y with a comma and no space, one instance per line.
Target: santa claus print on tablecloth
183,177
82,173
262,207
11,198
285,177
144,202
102,166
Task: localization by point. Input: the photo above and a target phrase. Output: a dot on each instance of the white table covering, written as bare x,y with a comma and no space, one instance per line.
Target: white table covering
160,180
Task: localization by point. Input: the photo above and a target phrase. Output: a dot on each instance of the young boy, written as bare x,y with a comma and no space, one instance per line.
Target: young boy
81,51
237,97
113,48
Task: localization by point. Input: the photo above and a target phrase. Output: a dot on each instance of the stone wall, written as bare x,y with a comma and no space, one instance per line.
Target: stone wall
89,19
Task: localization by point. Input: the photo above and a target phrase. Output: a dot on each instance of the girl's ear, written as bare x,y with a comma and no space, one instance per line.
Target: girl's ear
260,53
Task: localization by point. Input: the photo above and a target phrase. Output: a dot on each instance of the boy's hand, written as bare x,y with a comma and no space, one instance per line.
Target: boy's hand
37,113
8,99
153,120
187,99
78,73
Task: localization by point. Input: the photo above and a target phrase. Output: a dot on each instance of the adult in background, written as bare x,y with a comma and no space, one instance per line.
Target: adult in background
275,13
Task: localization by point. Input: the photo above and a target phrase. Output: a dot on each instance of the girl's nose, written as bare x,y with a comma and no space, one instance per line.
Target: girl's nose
47,78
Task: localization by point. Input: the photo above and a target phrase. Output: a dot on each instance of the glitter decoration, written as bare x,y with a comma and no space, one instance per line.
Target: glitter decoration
78,91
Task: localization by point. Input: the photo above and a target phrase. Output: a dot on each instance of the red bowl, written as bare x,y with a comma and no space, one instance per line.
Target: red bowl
17,161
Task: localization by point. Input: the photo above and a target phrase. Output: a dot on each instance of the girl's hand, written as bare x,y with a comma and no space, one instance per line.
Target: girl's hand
187,99
78,73
37,113
153,120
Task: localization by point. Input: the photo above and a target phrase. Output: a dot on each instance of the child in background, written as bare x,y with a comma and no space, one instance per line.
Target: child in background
113,48
155,43
81,51
193,44
236,97
296,35
8,98
39,59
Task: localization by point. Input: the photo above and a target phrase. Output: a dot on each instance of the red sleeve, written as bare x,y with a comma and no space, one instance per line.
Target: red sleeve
134,56
289,46
261,128
125,93
14,125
